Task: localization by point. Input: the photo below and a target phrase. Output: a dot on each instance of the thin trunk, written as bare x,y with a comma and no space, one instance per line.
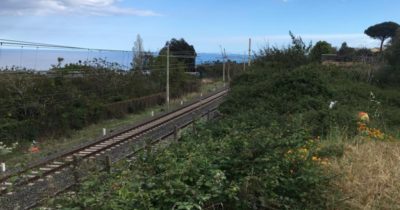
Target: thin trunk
381,49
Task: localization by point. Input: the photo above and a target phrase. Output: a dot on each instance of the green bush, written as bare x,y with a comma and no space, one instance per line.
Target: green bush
77,95
305,93
260,155
240,170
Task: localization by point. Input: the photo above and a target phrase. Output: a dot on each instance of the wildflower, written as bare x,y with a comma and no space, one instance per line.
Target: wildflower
34,147
371,95
315,158
363,117
362,127
303,152
332,104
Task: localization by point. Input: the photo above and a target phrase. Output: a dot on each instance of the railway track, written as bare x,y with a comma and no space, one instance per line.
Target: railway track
24,188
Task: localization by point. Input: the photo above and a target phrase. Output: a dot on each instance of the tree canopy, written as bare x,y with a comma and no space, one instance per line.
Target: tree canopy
393,52
138,54
183,51
382,31
321,47
346,52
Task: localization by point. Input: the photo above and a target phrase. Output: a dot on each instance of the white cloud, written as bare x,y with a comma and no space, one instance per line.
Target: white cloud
81,7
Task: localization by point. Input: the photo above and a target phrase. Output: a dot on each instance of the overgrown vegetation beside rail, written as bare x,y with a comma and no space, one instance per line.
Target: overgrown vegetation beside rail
271,150
34,106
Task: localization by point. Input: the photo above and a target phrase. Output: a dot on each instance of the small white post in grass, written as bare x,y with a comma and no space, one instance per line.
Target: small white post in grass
152,113
3,167
181,102
104,131
201,94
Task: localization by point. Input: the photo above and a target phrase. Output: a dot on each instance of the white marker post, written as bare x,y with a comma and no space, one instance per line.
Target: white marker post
3,167
152,113
181,102
104,131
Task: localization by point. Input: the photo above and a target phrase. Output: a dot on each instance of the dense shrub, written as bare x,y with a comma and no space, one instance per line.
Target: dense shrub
291,56
389,74
263,154
68,98
305,94
239,170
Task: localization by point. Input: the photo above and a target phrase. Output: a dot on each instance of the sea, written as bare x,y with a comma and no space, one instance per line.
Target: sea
43,60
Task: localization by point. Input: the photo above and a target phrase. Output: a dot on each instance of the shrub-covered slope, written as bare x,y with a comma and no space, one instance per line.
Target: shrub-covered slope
263,154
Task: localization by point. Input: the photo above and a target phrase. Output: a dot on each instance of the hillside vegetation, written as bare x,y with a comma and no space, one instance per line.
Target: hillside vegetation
266,152
286,129
36,107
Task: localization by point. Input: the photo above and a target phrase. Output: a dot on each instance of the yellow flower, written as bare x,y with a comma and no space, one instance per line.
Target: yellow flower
314,158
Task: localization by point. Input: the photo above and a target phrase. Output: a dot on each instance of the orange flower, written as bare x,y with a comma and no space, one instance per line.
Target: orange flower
363,117
34,149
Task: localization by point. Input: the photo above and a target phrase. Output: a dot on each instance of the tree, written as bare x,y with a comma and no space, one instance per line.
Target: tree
321,47
138,54
364,52
393,52
59,62
382,31
299,45
346,52
183,52
294,55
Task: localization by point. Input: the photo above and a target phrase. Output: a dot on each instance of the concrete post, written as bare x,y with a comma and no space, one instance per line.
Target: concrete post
3,167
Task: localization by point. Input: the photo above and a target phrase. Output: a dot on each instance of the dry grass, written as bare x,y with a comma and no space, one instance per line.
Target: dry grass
370,175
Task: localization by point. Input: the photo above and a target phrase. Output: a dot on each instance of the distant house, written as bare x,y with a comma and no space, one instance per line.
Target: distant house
195,74
360,58
328,57
375,50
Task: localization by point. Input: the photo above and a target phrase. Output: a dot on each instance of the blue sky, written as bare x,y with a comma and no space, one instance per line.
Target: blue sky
207,24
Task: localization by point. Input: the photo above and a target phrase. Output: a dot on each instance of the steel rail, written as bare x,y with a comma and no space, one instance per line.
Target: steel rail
130,155
110,141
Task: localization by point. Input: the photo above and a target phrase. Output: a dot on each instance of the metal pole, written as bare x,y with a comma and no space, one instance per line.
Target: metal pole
223,67
168,77
229,71
1,46
244,61
250,52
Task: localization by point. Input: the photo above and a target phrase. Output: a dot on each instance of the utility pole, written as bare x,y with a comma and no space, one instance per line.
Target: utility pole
249,52
223,65
229,71
244,61
167,97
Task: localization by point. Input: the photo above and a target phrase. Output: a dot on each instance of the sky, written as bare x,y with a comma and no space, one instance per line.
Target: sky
206,24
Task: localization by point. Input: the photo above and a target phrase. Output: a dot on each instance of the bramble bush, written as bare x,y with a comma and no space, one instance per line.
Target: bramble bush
241,170
305,93
35,106
265,152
